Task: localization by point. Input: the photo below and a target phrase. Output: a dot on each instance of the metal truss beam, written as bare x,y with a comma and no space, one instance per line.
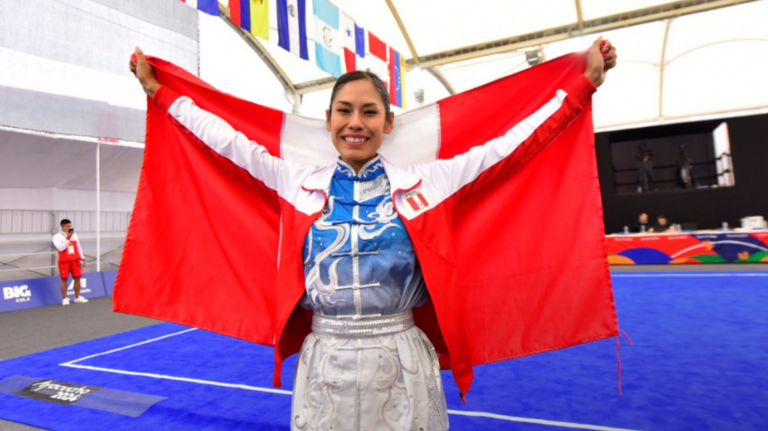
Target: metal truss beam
583,27
254,44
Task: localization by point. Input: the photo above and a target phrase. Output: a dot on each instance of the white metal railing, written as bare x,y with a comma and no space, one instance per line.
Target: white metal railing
11,263
40,221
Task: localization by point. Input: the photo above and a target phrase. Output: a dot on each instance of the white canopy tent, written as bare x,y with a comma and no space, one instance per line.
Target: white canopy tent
677,60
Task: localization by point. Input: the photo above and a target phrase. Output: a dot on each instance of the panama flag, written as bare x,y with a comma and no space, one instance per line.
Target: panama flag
207,6
327,38
556,280
354,42
377,62
292,27
397,78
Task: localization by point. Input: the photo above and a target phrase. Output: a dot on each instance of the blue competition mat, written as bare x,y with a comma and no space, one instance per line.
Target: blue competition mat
698,363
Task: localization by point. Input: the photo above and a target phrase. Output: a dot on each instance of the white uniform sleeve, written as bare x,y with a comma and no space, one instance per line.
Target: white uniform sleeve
60,242
216,133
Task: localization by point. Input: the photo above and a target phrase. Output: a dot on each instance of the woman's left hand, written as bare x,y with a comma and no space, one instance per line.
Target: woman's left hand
600,58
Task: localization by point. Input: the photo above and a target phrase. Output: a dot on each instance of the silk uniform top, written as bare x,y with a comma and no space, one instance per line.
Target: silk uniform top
358,258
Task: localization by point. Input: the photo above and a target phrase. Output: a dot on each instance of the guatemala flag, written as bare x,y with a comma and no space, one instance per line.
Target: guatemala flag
292,27
327,38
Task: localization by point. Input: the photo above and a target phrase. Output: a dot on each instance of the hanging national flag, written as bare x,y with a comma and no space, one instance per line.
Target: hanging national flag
555,306
292,27
327,37
354,43
377,62
397,78
251,15
208,6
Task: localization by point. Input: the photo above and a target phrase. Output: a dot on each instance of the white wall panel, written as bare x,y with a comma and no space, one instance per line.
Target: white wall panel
229,64
57,199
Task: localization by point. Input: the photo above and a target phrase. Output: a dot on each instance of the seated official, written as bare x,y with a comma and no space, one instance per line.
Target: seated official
641,225
662,225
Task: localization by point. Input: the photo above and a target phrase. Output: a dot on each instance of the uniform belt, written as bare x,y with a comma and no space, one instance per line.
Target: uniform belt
364,327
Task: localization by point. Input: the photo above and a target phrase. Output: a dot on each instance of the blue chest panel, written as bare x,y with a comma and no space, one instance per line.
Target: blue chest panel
358,257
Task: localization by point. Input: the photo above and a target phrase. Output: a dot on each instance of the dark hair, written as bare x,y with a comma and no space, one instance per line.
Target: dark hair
661,216
65,221
357,75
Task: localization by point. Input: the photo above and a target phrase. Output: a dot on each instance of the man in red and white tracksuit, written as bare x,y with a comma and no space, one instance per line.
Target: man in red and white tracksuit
71,260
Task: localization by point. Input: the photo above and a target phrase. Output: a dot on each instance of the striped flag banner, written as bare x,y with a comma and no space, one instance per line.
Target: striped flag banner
348,33
397,78
210,7
292,27
327,38
377,62
251,15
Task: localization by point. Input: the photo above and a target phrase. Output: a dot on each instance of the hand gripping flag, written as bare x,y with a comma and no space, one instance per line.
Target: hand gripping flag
202,245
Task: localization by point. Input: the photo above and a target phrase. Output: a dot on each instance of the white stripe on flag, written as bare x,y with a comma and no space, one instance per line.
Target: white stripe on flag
306,141
378,66
348,28
192,3
293,28
415,139
327,36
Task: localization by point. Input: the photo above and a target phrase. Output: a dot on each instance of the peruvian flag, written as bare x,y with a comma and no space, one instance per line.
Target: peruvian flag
416,200
203,241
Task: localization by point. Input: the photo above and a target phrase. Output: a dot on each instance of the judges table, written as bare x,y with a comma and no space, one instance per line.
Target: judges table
688,247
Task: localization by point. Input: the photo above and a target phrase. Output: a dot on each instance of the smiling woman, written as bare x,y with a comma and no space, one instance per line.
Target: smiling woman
364,260
359,117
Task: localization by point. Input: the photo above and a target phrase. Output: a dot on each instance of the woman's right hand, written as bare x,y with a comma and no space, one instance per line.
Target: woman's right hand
144,73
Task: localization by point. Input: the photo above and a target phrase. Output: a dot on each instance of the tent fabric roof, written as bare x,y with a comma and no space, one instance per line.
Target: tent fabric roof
672,67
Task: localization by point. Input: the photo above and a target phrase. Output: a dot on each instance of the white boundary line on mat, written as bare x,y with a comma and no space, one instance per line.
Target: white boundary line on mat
535,421
73,364
714,274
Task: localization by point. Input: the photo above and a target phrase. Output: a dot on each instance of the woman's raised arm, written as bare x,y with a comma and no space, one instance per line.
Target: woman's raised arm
527,138
217,134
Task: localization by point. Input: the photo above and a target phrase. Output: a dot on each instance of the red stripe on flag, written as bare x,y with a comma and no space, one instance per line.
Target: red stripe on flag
234,12
349,60
377,47
219,185
412,202
524,190
392,77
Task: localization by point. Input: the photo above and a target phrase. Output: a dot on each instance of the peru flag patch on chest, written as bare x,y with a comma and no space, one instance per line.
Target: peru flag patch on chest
416,200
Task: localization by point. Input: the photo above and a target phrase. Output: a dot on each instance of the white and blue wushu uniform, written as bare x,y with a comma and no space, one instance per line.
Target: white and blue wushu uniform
365,366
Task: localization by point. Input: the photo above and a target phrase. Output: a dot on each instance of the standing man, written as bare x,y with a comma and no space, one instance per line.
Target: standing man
71,260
